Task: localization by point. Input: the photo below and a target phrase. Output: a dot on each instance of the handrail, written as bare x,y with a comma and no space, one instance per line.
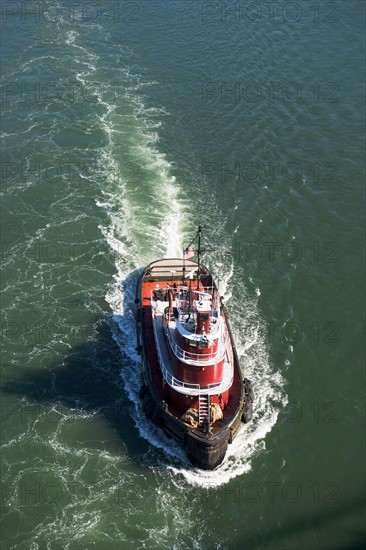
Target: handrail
176,383
208,290
196,357
168,377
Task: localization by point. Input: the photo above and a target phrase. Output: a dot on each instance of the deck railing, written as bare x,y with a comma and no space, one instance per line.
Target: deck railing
196,358
179,384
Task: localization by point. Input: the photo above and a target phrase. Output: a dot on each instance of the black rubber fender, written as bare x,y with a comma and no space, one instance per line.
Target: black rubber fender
143,391
249,389
157,417
248,412
148,406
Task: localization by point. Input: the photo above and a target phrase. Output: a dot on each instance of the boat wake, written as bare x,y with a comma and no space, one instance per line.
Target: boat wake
144,217
145,221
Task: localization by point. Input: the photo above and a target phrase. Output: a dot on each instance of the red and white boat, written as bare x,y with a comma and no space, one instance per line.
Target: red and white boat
192,387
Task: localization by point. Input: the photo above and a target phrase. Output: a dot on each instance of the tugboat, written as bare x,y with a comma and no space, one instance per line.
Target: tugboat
192,383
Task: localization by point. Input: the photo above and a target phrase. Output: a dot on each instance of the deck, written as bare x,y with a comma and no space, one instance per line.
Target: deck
152,353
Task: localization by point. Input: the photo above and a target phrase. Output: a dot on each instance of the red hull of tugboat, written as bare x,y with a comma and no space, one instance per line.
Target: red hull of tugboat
176,380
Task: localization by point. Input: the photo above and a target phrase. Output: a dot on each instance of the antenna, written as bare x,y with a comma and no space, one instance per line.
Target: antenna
199,252
199,237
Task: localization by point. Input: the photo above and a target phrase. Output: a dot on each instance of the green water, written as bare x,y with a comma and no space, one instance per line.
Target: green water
124,125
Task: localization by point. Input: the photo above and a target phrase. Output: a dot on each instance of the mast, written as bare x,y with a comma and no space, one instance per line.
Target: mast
199,251
184,269
199,237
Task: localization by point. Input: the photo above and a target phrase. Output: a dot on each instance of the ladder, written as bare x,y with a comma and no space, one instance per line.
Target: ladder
203,408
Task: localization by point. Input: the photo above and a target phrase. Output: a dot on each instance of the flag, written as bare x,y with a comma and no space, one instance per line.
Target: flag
188,253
